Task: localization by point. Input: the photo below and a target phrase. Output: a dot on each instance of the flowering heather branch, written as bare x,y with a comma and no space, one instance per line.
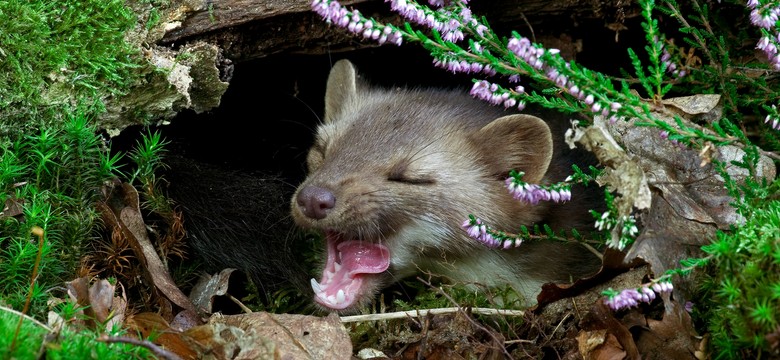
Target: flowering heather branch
487,54
629,298
491,238
534,193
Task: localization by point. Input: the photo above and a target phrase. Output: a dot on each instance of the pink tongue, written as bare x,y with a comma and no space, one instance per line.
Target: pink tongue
363,257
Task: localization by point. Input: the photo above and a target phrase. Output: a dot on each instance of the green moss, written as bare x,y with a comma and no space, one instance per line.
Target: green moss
70,344
54,54
53,178
742,298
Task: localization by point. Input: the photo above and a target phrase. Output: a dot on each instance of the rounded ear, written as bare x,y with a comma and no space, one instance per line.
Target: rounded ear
520,142
341,89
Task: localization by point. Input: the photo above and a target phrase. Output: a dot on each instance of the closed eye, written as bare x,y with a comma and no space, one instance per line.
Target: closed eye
398,174
413,181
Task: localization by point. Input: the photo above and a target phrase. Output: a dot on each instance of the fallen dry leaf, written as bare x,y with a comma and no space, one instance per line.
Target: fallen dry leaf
151,324
672,337
600,345
600,322
286,336
696,107
100,306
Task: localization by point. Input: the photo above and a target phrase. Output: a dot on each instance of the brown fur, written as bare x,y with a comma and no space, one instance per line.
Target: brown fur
405,168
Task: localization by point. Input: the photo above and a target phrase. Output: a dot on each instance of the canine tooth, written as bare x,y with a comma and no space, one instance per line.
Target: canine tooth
316,286
337,266
340,297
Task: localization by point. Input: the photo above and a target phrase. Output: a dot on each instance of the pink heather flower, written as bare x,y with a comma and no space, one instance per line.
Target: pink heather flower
689,306
752,4
575,91
465,14
589,99
773,119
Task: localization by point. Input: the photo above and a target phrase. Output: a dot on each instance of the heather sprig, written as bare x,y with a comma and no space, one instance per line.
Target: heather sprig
333,12
654,84
534,193
632,297
477,229
489,237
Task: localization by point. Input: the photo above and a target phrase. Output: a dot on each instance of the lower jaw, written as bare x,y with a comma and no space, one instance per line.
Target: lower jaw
369,288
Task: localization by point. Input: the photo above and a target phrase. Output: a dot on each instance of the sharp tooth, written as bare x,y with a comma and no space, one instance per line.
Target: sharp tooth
340,297
337,266
316,286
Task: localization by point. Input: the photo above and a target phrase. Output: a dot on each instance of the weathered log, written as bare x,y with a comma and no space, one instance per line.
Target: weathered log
249,29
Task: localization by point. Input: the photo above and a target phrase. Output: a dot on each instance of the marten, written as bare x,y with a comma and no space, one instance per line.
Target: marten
393,173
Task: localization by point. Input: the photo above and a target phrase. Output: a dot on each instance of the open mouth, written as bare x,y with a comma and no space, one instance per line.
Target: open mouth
349,262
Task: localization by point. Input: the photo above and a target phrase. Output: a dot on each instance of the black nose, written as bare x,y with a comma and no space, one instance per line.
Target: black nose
315,202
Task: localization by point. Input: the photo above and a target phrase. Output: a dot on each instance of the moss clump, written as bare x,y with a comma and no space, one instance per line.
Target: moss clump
55,54
51,180
744,291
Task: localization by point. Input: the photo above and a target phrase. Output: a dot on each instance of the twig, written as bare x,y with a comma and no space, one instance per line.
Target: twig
158,351
426,312
240,304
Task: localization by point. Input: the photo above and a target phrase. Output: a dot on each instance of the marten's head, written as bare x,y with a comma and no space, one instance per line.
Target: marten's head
394,173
